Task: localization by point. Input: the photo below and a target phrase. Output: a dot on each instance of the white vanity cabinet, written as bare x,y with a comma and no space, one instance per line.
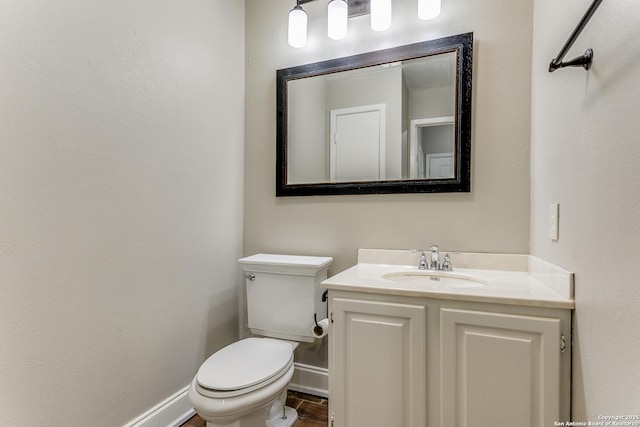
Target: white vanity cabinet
377,363
503,368
397,361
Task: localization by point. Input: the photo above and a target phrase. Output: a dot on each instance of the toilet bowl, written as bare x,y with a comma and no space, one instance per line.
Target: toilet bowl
245,385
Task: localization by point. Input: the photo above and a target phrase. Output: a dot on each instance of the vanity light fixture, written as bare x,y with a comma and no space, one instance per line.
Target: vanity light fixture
297,26
339,11
337,15
429,9
380,15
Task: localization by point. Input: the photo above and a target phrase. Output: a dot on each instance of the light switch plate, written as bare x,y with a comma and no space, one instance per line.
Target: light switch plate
554,221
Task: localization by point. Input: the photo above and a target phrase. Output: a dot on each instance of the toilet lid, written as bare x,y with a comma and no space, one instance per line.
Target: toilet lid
244,364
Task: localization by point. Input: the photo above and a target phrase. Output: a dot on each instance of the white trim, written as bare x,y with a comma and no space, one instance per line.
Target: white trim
171,412
310,380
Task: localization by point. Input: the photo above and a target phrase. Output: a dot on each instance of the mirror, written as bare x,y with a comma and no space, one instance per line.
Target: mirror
391,121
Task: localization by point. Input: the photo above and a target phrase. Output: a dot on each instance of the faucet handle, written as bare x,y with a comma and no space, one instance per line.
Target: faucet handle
422,265
446,263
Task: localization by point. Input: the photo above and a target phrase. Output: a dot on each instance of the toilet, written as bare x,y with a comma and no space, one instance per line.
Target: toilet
245,383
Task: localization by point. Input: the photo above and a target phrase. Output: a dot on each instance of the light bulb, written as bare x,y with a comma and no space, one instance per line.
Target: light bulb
337,14
380,14
428,9
297,27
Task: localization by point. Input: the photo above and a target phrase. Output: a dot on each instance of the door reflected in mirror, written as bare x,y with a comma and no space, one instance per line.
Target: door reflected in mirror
390,121
432,148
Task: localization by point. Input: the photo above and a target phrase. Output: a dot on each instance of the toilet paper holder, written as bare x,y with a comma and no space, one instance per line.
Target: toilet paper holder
315,319
325,297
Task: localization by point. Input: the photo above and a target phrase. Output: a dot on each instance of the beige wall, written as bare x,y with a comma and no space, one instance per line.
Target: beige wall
494,217
585,155
121,181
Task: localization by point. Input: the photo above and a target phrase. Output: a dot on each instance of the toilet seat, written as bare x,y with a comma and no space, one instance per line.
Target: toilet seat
243,367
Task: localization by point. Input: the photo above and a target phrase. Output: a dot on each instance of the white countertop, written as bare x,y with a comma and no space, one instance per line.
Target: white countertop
510,285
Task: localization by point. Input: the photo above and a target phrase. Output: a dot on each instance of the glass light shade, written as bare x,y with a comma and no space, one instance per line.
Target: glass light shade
337,15
380,14
297,27
428,9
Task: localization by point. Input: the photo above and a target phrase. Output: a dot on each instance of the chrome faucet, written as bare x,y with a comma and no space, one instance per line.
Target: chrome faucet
434,263
435,258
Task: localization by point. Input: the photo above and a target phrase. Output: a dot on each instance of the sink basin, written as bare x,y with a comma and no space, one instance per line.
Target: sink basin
437,279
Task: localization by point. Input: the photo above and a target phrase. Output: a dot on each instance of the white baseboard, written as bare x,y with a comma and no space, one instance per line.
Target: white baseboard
310,380
172,412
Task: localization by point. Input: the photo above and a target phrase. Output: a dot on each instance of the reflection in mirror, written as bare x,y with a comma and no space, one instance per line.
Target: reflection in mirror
431,148
389,121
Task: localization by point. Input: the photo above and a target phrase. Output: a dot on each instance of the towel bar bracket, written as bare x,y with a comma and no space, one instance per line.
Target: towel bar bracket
583,61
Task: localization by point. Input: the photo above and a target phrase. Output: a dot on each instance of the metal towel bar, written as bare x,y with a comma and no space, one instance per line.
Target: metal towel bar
580,61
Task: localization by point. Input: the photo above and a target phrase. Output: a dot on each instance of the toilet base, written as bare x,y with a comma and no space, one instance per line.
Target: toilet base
257,420
290,417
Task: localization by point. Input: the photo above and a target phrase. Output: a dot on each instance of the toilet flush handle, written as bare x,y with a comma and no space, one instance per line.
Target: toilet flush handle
250,276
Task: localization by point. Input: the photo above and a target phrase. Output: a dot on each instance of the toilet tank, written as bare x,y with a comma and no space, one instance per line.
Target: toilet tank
284,293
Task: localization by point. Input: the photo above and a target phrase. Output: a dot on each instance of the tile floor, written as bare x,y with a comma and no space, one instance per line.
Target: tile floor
312,411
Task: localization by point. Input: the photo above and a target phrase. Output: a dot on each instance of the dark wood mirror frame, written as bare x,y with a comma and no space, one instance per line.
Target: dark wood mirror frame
462,44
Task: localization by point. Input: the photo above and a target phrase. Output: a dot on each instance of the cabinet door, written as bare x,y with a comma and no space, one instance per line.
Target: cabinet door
499,369
377,372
